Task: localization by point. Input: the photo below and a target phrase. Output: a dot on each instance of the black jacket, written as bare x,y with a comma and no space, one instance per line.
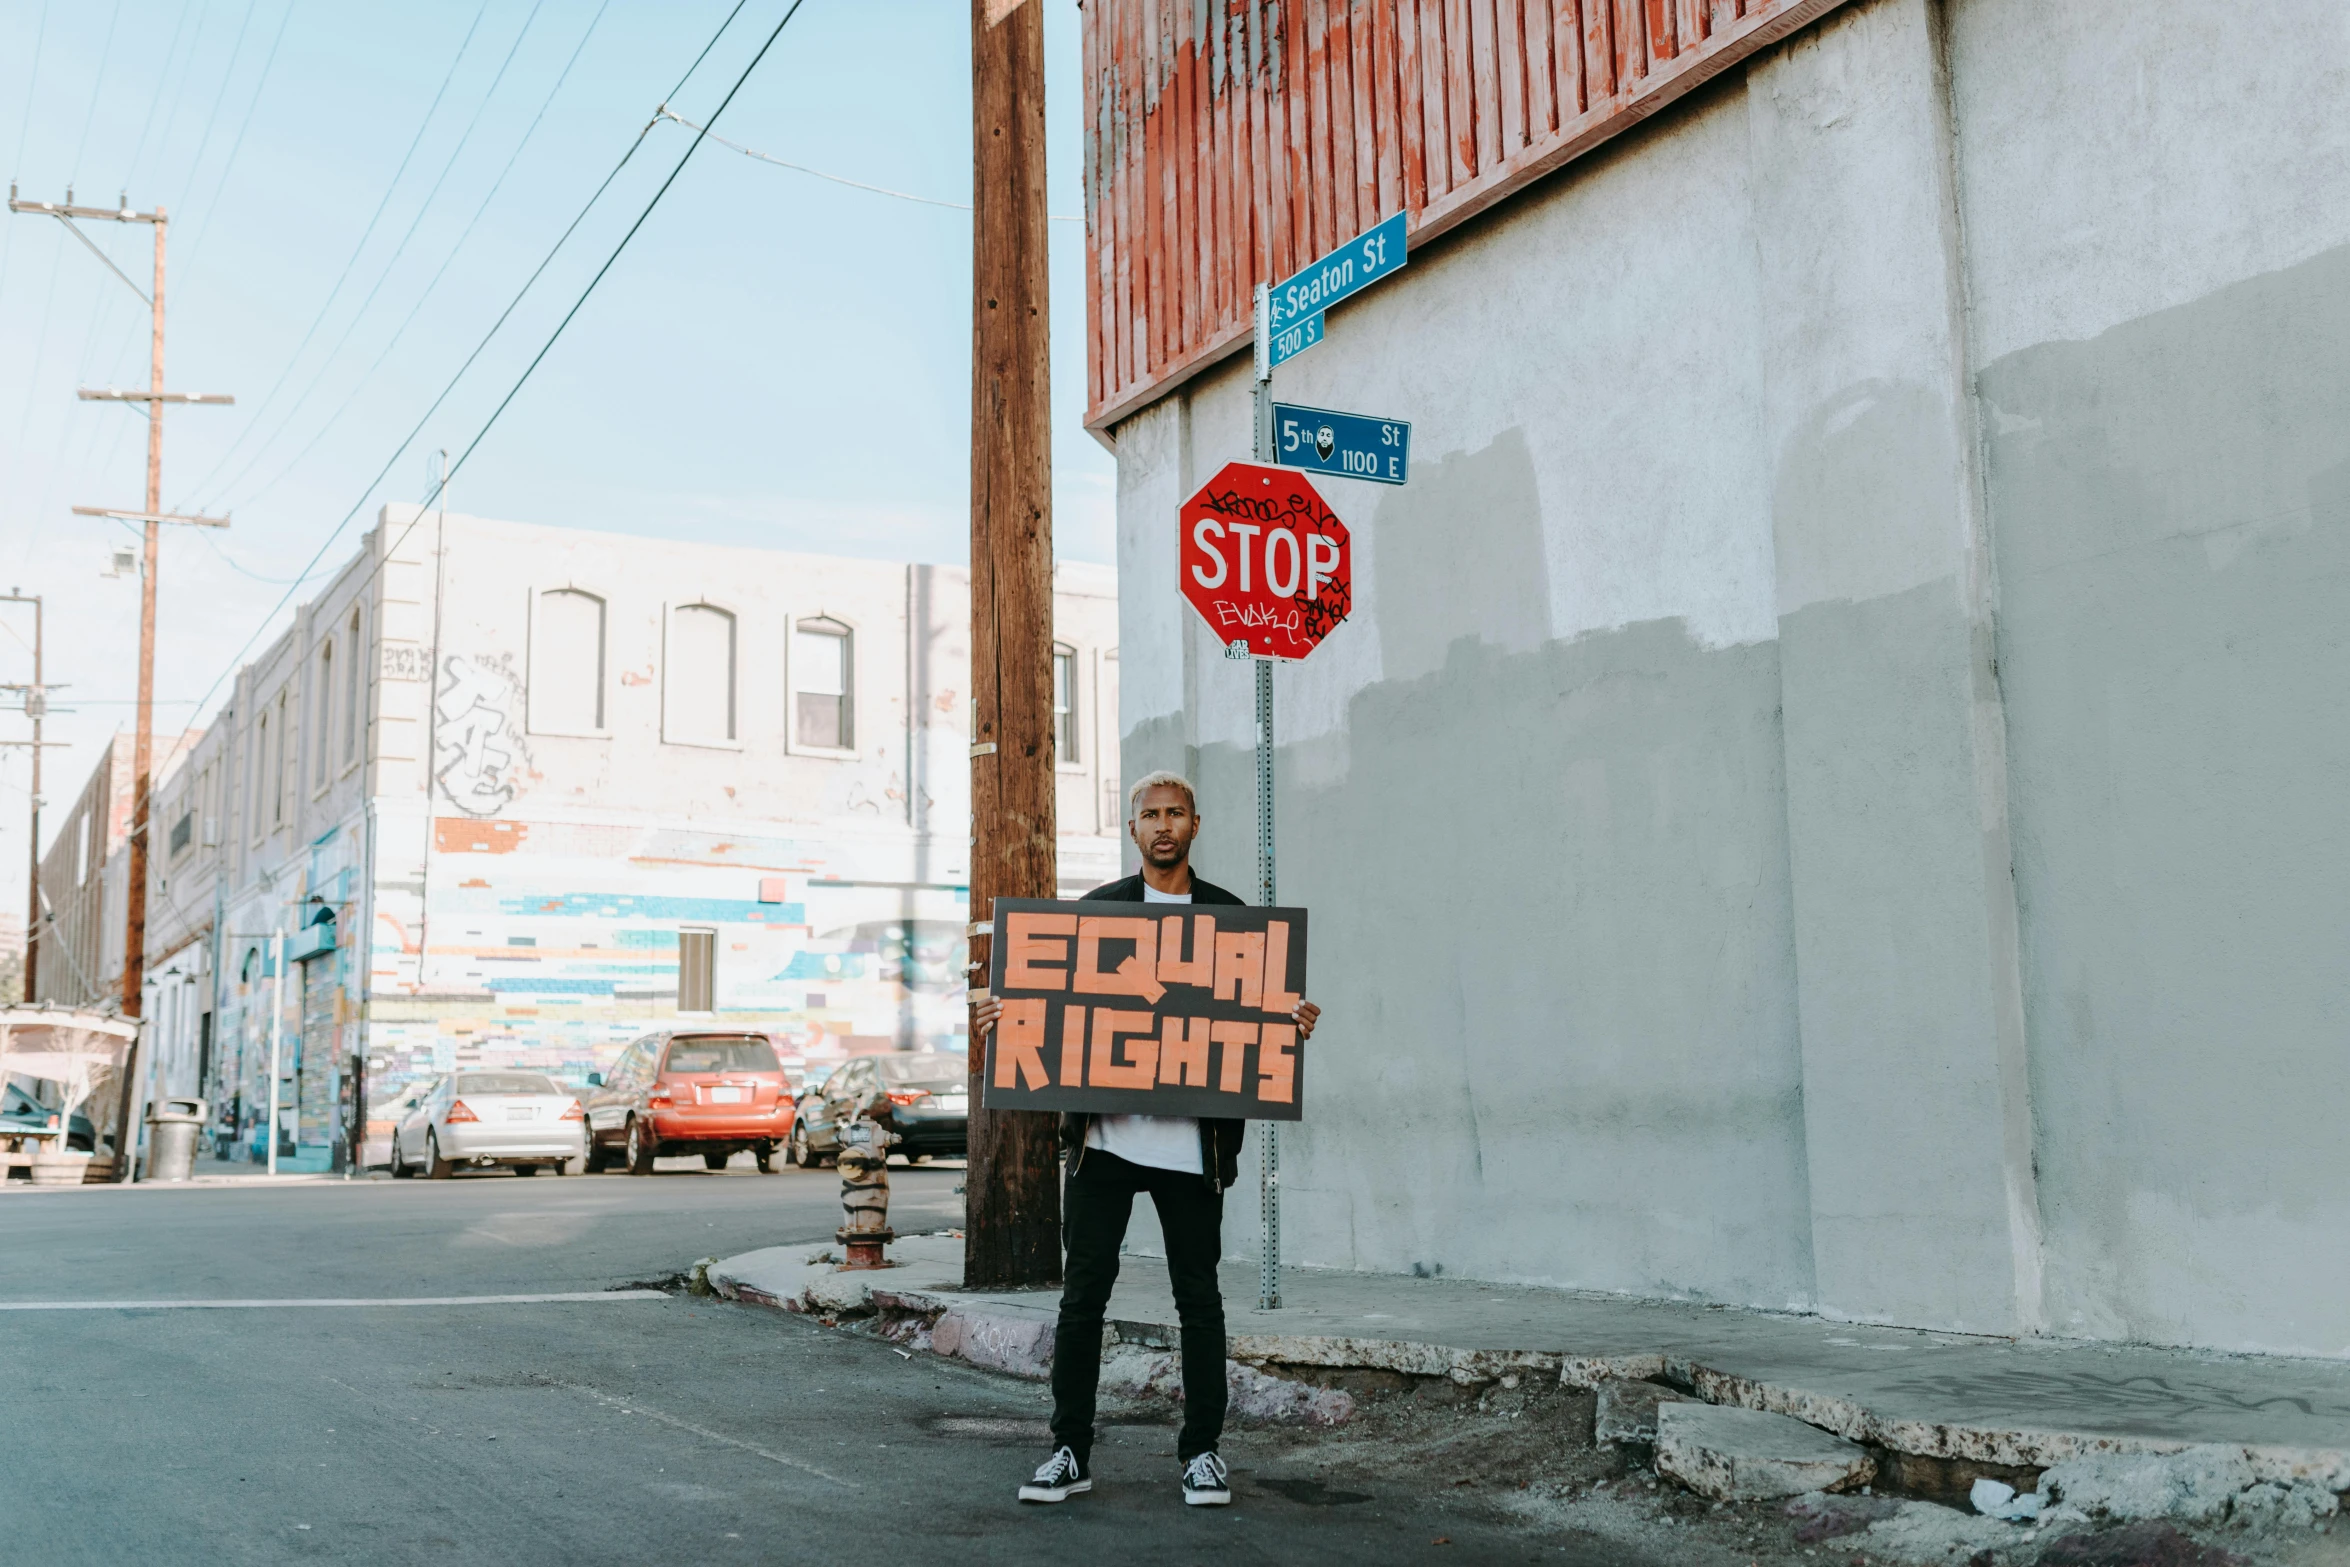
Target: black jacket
1219,1140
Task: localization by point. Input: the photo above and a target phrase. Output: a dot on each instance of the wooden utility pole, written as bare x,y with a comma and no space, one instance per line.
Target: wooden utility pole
36,708
1012,1227
134,948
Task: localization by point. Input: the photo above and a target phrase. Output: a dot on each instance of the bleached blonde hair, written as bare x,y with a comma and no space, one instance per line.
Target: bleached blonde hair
1160,780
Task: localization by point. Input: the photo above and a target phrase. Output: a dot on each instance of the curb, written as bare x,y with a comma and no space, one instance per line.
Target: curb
1139,1357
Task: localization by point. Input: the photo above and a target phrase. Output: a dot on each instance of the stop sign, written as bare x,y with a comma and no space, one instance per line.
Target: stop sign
1265,560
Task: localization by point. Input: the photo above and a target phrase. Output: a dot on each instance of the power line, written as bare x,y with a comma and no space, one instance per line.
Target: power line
421,299
97,89
519,295
302,398
236,52
365,235
155,98
204,219
838,179
451,469
179,94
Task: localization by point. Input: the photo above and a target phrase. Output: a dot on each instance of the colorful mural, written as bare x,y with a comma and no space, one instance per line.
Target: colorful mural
552,945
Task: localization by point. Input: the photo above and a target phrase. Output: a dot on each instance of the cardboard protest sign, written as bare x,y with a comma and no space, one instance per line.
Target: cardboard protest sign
1147,1009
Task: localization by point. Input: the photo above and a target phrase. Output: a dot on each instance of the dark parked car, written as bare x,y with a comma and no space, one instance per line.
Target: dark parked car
20,1111
714,1092
923,1097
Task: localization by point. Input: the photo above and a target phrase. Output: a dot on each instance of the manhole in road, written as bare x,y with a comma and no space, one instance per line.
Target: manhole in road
981,1425
1309,1492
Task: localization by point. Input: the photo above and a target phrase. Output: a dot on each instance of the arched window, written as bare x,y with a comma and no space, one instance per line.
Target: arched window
323,712
823,656
354,716
697,677
567,662
260,768
277,768
1065,705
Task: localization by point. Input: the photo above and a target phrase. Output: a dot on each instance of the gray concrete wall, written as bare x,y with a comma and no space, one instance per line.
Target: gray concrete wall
2164,318
1829,796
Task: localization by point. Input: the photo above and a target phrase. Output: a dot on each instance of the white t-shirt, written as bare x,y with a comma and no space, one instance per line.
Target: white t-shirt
1164,1142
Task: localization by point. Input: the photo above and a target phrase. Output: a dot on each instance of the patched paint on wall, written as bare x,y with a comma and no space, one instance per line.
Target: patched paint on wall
2172,499
1601,1043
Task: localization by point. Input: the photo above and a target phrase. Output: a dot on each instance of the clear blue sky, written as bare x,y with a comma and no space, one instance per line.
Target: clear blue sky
776,360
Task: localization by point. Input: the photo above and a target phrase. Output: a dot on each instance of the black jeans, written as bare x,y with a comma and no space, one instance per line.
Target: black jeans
1095,1205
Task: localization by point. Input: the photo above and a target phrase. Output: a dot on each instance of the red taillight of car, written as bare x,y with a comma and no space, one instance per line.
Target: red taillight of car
915,1097
661,1099
573,1112
460,1111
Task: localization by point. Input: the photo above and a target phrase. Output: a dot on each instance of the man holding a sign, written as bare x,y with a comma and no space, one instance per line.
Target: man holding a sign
1157,1036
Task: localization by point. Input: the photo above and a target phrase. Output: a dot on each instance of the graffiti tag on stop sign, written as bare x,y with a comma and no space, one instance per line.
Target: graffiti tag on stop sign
1265,560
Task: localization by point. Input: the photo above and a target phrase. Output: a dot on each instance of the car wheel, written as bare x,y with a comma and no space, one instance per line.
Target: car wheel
716,1161
765,1154
594,1161
435,1166
916,1158
400,1166
640,1148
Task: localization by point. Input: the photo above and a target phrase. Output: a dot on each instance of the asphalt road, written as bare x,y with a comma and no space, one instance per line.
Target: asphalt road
609,1430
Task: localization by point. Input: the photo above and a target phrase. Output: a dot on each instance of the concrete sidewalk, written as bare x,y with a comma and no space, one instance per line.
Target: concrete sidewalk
2026,1404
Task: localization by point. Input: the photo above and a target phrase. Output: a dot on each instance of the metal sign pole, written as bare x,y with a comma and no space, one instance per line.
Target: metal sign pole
1268,1132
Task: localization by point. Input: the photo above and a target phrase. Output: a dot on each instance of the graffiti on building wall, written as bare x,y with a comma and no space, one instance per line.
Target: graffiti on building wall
478,754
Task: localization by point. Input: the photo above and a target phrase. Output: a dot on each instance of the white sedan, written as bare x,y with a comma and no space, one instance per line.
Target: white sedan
479,1119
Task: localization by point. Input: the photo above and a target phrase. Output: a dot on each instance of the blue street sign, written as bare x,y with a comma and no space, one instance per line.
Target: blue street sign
1353,446
1354,266
1296,338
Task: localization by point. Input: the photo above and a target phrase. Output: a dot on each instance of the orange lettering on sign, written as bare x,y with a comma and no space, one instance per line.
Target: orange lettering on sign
1280,1000
1036,951
1201,970
1072,1047
1232,1040
1276,1066
1112,1027
1019,1047
1183,1051
1240,966
1137,976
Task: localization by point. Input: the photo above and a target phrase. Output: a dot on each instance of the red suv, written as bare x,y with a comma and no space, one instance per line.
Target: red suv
713,1092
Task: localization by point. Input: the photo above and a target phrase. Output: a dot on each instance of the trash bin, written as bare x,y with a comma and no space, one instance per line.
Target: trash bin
173,1127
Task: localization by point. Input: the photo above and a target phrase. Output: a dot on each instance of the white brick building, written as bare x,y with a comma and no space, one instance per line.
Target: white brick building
518,798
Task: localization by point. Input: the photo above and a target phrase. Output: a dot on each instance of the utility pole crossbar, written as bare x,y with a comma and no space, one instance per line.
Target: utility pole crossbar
108,394
150,516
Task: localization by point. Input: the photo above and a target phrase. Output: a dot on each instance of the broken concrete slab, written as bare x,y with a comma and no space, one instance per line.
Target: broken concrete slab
2199,1485
1625,1412
1736,1455
2196,1486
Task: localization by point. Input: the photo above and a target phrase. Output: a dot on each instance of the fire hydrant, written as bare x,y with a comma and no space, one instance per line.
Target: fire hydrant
864,1194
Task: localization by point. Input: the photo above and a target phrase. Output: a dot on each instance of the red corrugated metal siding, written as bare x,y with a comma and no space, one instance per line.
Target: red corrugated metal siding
1229,142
